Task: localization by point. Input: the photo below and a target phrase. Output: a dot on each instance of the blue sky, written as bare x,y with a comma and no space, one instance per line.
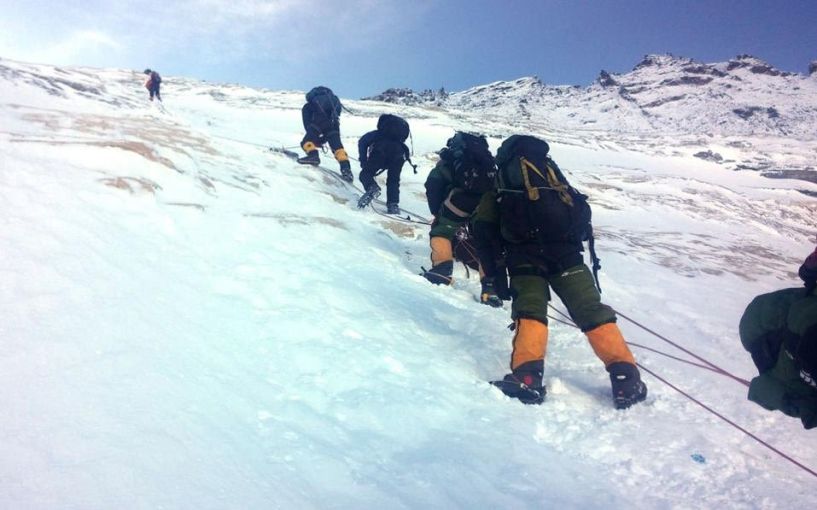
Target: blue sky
361,47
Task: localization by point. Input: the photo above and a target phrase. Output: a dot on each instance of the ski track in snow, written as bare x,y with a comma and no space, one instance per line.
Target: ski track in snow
191,321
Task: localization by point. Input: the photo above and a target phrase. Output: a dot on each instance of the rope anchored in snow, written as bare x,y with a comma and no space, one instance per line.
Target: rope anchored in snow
705,364
708,366
730,422
284,149
711,366
394,217
410,215
245,142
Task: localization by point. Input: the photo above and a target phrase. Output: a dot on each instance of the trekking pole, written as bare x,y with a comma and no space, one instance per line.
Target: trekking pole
413,166
408,158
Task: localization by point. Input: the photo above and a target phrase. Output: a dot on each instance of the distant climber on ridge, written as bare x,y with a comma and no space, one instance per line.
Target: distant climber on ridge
384,149
779,330
321,119
153,83
541,221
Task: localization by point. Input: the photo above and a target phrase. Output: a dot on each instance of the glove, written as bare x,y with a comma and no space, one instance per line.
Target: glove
488,295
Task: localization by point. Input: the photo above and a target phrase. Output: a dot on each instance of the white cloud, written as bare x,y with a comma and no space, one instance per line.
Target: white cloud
78,46
288,30
100,32
82,43
248,9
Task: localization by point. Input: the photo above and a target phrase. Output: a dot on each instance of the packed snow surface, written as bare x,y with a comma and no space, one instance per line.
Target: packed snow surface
189,320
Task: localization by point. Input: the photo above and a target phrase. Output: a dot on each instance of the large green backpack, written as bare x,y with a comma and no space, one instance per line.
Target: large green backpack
471,161
536,202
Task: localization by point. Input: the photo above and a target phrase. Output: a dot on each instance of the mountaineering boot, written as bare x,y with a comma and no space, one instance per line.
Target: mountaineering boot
440,274
628,388
311,158
392,208
524,383
442,261
346,171
488,296
371,194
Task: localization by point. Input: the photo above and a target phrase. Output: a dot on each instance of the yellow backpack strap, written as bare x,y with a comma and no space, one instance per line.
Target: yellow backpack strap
533,191
553,182
559,186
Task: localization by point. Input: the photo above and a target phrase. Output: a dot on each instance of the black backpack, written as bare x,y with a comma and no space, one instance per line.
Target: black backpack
536,202
393,128
325,101
472,162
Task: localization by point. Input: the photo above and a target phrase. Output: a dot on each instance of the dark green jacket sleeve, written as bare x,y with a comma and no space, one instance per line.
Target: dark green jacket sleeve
438,185
487,240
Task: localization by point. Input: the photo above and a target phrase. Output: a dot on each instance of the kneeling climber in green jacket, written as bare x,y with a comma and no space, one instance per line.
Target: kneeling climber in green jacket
779,329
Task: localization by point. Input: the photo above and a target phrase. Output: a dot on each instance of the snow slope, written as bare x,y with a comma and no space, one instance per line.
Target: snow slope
191,321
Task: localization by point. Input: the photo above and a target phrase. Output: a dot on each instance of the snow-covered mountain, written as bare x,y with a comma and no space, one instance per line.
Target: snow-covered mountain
188,320
663,93
409,97
676,101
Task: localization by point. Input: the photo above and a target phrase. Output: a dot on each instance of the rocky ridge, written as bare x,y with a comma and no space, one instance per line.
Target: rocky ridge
664,93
